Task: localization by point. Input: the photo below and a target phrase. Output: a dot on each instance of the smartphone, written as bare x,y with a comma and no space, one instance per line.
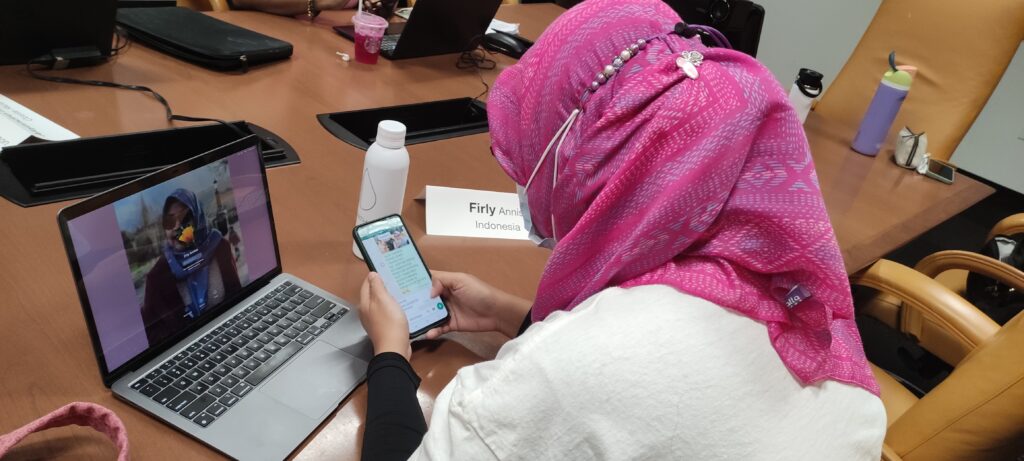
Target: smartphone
940,171
388,250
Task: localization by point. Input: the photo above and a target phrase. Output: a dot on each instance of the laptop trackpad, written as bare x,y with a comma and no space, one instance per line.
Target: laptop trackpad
314,382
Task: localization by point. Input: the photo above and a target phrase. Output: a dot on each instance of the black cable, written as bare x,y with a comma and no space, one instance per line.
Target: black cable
477,60
487,88
121,41
171,116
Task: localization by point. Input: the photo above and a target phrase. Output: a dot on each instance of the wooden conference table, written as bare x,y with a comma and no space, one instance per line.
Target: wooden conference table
46,359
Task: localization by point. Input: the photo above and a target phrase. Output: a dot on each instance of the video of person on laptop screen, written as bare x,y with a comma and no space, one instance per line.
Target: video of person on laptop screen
184,246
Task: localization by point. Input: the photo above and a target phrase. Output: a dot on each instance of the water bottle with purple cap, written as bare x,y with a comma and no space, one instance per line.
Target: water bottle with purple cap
883,109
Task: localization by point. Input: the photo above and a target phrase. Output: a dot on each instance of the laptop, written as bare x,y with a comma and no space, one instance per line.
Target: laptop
34,28
191,317
435,27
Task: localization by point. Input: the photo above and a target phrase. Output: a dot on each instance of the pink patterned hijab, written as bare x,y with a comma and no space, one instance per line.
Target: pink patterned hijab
706,185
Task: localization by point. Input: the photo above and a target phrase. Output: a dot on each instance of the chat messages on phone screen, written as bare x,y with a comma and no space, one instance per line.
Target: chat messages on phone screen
396,260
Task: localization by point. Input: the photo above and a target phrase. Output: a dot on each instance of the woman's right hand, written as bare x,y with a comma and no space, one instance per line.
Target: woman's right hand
476,306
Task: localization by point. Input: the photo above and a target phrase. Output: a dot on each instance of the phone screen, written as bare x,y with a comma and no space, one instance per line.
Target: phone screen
390,252
941,170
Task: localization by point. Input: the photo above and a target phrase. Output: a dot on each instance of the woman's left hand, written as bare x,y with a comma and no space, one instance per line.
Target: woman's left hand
382,318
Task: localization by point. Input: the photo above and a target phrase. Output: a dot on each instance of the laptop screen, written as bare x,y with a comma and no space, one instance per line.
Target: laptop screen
155,261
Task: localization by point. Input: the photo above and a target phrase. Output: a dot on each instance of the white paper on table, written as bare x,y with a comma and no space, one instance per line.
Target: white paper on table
507,27
474,213
18,123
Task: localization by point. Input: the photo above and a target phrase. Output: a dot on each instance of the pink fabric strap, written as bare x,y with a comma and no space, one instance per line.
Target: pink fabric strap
78,413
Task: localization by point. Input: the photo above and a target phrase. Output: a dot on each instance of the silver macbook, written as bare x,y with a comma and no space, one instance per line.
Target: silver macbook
191,317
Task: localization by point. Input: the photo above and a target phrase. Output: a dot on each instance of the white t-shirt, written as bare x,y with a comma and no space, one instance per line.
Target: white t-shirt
647,373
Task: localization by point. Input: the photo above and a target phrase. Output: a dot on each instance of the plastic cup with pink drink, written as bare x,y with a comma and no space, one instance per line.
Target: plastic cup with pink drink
369,32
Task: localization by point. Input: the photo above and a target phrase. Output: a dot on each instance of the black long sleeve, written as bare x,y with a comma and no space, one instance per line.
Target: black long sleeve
394,421
526,323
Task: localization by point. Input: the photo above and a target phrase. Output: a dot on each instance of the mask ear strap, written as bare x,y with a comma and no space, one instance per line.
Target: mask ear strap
558,135
554,176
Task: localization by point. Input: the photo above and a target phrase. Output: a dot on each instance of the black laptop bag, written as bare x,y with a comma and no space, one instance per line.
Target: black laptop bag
201,39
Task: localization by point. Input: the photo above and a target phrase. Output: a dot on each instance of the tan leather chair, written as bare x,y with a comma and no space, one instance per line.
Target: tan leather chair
977,413
961,50
950,268
205,5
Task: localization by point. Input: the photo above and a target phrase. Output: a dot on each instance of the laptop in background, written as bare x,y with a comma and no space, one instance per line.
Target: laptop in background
191,317
435,27
739,20
32,28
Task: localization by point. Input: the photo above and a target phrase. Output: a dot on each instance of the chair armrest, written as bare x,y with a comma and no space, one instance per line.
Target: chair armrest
944,323
940,262
1013,224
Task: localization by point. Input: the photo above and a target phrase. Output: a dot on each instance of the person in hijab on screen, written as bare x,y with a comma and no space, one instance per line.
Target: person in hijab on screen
196,269
695,303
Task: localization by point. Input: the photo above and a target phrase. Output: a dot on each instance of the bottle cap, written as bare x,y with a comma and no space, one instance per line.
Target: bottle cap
896,75
809,82
809,78
390,134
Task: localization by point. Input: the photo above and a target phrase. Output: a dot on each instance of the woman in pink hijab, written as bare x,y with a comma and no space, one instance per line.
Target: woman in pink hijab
695,303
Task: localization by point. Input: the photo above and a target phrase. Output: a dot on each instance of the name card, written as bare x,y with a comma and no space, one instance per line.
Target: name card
18,123
474,213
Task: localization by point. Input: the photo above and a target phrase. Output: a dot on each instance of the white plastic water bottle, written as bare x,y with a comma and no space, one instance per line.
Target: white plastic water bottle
385,170
805,89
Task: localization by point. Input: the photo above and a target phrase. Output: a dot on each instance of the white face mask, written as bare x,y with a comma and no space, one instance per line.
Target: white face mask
524,201
524,208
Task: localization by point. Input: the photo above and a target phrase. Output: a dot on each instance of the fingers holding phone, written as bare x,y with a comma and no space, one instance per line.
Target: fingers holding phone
388,249
476,306
469,300
382,318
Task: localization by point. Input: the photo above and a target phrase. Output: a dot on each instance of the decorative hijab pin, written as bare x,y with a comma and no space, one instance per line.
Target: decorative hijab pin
688,61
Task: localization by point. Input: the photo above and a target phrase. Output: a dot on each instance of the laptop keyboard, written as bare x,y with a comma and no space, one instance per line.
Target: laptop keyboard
209,376
388,44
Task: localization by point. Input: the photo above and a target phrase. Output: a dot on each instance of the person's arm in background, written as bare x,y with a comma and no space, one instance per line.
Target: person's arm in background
394,421
291,7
